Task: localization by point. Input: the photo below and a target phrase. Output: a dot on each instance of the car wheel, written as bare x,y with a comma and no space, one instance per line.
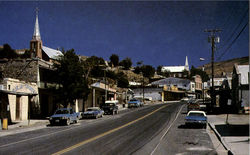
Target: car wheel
68,122
51,123
77,120
205,126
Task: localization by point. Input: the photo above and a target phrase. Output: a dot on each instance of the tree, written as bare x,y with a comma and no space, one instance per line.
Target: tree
7,52
194,71
159,70
70,78
126,63
93,66
166,73
148,71
122,80
114,59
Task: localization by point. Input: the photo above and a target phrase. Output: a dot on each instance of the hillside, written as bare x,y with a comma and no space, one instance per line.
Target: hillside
225,66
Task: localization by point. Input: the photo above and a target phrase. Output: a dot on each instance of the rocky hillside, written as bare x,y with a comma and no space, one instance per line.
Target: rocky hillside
225,66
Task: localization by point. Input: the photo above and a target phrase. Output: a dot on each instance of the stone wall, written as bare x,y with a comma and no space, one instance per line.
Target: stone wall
22,69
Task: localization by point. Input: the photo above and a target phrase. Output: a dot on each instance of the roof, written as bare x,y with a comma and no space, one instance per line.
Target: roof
52,53
180,83
243,71
173,69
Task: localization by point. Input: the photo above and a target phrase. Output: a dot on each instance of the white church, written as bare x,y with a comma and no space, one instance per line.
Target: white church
176,71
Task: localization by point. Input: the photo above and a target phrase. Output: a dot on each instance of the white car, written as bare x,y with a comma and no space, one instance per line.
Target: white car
196,118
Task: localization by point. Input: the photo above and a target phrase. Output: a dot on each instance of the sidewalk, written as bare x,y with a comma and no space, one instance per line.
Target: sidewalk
235,135
24,126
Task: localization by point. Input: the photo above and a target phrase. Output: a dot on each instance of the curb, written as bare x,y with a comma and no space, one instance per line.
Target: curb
229,152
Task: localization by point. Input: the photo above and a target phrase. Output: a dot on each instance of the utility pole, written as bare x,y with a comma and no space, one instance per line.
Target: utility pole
213,39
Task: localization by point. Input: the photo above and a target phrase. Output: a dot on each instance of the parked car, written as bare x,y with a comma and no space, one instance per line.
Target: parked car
184,99
134,103
93,112
196,118
193,105
110,107
64,116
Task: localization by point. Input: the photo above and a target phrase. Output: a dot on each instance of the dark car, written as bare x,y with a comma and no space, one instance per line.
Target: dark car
110,107
93,112
196,118
64,116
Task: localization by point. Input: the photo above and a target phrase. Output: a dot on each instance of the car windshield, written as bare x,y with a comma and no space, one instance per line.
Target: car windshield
92,110
196,114
109,104
62,112
133,100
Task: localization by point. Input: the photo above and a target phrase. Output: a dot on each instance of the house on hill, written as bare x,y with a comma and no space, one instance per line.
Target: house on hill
176,71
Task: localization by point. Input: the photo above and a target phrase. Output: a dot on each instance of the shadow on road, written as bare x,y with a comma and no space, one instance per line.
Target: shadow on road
233,130
183,126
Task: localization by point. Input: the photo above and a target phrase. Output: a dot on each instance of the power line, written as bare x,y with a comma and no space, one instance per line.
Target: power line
232,42
232,34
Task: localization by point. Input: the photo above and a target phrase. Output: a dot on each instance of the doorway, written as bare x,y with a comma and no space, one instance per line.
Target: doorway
18,107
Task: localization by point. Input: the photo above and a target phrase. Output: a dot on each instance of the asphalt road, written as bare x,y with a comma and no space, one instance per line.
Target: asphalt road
146,130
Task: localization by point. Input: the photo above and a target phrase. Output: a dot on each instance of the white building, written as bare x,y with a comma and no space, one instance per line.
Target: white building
176,71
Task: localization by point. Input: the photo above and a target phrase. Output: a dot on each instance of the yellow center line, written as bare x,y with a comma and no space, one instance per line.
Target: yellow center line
105,133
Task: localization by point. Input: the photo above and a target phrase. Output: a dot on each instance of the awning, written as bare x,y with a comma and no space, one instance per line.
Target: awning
17,93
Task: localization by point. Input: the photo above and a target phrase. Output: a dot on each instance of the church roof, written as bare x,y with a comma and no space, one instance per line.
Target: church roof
173,69
36,34
52,53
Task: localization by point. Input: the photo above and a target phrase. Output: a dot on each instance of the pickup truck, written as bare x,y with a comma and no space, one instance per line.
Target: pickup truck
110,107
64,116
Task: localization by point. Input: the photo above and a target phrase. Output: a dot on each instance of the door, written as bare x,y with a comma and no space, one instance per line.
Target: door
18,107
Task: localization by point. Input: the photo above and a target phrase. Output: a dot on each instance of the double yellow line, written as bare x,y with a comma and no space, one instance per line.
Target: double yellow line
105,133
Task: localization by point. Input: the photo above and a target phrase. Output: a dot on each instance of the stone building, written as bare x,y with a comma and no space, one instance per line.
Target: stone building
39,70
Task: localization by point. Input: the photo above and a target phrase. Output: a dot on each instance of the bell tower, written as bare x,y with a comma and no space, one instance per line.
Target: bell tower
36,42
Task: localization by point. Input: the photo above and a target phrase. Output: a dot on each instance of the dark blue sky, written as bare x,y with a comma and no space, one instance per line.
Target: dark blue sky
157,33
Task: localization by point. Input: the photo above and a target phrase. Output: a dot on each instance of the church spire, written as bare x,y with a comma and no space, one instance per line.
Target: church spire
36,34
186,64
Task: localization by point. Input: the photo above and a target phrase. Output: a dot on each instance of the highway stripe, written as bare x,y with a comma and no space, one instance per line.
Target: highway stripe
105,133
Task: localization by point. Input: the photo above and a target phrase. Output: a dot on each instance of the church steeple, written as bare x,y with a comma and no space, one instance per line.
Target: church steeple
186,64
36,34
36,42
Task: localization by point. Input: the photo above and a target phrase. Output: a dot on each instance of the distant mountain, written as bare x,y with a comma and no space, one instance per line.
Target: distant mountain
225,66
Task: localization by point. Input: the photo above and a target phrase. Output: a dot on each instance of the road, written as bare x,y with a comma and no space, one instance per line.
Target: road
149,130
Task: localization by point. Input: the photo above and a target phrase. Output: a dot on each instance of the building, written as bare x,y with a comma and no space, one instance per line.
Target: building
177,71
173,88
38,70
17,98
240,87
198,86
